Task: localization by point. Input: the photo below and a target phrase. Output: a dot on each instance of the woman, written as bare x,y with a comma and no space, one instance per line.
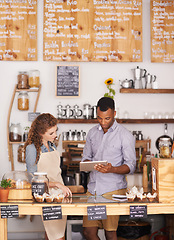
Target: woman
41,155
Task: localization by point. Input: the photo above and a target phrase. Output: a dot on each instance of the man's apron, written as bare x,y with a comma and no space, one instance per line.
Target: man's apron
49,162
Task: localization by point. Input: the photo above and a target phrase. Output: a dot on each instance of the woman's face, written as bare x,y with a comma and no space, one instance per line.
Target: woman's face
50,134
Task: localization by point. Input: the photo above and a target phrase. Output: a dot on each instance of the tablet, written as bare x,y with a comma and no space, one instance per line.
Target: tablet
89,166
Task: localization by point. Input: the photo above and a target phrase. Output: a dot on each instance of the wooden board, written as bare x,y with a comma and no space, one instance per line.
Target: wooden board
162,31
164,179
100,31
18,30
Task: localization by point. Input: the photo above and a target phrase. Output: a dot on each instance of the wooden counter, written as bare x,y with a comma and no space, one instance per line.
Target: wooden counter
79,207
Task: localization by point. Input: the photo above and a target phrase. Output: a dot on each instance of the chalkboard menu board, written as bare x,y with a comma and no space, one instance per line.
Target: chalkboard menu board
67,81
9,211
18,30
93,30
162,31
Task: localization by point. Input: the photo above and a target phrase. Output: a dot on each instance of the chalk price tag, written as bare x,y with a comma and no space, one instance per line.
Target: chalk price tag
138,211
52,213
38,188
96,212
9,211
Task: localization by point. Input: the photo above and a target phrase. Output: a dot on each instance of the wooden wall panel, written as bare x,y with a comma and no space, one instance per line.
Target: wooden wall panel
18,30
93,30
162,31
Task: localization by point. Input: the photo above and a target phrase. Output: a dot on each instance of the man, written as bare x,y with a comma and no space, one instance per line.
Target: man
111,142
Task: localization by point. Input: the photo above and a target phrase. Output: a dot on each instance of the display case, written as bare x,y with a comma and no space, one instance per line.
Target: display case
21,185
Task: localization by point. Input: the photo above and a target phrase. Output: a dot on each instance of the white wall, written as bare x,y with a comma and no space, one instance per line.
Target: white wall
92,86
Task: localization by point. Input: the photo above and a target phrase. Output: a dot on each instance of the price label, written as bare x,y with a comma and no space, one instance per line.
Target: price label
9,211
96,212
38,188
138,211
52,213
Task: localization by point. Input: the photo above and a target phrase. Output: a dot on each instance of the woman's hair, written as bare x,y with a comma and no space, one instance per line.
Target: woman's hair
39,126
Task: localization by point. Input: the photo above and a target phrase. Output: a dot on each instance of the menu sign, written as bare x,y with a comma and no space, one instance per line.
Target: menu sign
9,211
52,213
96,212
67,81
18,30
93,30
162,31
138,211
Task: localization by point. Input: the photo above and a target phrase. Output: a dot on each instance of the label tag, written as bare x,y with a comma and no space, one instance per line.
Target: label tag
38,188
52,213
138,211
96,212
9,211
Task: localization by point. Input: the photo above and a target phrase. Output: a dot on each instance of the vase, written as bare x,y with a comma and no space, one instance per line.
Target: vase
4,194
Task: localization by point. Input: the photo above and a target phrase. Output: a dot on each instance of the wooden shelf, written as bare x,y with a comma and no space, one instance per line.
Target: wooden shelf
126,121
132,90
16,142
27,89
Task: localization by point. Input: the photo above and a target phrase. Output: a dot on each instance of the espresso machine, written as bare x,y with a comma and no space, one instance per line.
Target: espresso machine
138,74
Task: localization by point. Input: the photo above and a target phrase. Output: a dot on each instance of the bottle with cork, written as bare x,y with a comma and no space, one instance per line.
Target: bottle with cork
145,178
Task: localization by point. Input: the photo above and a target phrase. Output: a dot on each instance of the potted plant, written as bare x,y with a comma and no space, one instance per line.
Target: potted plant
4,190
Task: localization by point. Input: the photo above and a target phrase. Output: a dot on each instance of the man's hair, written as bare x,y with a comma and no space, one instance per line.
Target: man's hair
105,103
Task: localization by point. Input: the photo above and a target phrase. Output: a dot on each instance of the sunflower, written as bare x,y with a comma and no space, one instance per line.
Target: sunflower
111,91
109,81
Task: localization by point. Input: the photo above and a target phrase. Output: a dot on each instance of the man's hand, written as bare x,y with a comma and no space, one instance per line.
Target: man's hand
104,168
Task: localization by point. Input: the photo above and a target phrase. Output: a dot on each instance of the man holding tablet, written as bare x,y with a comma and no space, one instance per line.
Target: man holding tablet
114,144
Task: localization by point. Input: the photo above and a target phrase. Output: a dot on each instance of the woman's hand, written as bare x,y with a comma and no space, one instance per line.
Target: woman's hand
66,191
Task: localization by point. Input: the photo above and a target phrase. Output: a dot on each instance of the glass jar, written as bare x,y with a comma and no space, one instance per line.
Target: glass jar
34,78
23,101
21,155
25,134
15,134
40,183
164,148
23,80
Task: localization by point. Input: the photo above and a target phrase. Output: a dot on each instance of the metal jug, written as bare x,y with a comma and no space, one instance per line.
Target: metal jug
60,111
68,111
148,79
87,111
139,73
77,112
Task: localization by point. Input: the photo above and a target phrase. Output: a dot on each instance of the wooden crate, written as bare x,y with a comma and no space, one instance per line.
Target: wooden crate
163,175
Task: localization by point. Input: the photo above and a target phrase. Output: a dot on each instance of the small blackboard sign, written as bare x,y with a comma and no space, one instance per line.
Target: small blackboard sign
96,212
9,211
32,116
67,81
52,213
39,188
138,211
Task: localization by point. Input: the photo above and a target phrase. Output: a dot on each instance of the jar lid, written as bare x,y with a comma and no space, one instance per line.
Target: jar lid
165,139
40,173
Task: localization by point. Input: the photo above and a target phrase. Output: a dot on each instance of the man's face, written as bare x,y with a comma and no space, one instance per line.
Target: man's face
105,119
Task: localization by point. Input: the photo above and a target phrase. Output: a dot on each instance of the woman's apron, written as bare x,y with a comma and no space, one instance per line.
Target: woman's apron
49,162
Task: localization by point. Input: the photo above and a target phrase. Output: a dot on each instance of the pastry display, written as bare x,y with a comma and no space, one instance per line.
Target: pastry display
135,194
151,197
52,196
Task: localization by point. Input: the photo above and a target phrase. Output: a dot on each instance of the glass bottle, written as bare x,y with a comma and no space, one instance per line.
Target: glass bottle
23,101
25,134
23,80
15,134
164,148
40,183
34,78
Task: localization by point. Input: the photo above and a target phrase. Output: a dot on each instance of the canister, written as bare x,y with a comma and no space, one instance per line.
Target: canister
34,78
23,101
40,183
164,148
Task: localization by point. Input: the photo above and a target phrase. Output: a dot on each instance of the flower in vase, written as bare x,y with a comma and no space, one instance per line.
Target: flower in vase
111,91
